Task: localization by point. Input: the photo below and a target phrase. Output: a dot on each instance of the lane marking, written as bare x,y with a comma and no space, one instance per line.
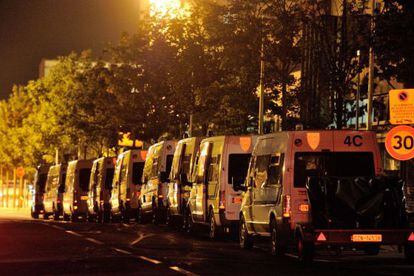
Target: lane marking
140,238
73,233
126,225
57,227
94,241
182,271
149,260
121,251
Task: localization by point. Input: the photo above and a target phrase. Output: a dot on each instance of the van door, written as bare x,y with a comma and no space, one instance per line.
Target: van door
268,189
201,185
260,199
115,184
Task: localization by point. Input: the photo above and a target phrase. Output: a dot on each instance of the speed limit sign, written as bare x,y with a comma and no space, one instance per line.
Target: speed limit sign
400,143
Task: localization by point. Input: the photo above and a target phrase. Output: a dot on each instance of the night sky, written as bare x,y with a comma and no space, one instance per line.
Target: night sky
34,29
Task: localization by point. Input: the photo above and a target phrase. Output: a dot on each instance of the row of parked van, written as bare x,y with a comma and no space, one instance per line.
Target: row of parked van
254,186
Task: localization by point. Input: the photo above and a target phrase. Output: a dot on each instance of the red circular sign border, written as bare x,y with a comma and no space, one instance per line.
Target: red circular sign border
388,143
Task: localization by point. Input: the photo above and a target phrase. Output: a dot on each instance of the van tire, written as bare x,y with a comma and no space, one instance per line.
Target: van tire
188,224
305,250
245,239
155,215
35,215
140,216
277,247
169,220
56,216
106,218
213,230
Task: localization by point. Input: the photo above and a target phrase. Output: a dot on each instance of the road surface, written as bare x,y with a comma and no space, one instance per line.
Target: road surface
30,247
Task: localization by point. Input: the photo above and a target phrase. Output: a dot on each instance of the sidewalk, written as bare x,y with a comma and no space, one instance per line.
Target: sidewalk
15,213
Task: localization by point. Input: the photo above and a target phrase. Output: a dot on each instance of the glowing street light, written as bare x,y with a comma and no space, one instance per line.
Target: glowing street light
168,8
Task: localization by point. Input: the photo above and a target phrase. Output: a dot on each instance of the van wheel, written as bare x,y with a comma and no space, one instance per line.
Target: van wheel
245,240
99,217
155,215
213,229
106,217
56,216
66,217
169,219
188,224
306,250
140,216
278,249
125,217
45,216
35,215
409,253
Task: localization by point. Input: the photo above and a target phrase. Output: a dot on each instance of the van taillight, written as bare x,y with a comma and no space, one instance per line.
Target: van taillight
286,206
222,205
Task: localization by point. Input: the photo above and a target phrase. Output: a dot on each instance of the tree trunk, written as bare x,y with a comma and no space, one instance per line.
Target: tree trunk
339,111
284,107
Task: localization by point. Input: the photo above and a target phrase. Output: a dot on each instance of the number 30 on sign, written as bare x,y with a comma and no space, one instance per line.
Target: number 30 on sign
400,143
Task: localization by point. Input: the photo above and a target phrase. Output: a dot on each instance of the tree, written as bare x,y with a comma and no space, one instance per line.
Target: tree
394,37
332,43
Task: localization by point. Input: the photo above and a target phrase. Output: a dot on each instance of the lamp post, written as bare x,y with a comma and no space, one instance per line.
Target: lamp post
261,90
371,69
358,93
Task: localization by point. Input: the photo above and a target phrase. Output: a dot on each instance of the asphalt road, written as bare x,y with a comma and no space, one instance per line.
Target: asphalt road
37,247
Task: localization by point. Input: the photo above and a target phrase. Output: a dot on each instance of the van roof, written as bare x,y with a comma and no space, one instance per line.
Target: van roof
190,139
314,140
223,137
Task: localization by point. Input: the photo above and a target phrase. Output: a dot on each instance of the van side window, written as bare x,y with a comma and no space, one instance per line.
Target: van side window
261,168
275,169
213,169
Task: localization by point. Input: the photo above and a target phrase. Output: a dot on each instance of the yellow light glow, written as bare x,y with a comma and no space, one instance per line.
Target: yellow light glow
168,8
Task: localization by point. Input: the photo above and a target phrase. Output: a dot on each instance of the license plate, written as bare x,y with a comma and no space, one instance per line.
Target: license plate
366,238
84,198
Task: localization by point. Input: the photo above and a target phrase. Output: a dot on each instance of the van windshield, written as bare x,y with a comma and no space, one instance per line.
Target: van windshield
84,175
332,164
109,177
137,169
238,166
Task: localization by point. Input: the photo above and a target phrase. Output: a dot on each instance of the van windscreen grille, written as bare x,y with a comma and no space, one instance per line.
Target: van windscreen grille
332,164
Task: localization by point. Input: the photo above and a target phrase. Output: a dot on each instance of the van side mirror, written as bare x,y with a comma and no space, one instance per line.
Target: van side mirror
162,176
